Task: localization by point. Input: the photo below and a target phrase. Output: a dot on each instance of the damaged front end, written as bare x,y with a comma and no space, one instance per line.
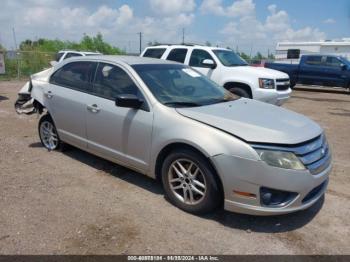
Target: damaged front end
25,104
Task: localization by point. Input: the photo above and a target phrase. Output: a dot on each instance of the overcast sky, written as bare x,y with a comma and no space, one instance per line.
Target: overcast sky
248,24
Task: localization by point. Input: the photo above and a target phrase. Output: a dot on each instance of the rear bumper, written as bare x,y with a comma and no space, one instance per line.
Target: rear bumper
250,176
25,103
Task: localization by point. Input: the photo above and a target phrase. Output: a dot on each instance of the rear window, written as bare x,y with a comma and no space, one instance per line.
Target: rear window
154,52
178,55
76,75
58,56
314,60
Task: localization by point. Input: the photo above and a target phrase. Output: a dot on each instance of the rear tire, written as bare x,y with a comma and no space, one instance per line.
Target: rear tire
190,182
240,92
48,134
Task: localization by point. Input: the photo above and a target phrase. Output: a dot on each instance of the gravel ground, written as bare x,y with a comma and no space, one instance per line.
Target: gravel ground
76,203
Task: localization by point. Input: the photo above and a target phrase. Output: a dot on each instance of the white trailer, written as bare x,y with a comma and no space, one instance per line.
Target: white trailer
292,51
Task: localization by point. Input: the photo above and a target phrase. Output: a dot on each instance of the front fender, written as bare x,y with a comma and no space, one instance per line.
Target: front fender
173,128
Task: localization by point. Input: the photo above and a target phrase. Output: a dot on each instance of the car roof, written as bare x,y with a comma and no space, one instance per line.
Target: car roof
81,52
130,60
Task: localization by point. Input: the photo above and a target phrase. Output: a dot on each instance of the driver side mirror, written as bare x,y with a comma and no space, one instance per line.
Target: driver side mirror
209,63
129,101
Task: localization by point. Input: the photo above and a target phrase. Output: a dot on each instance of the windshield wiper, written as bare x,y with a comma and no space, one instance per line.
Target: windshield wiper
182,104
224,100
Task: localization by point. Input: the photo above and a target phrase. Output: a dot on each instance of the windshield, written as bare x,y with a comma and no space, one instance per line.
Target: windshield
180,86
345,60
229,58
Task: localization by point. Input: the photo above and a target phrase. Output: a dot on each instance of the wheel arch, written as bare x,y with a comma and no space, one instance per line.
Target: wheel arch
181,145
38,106
244,86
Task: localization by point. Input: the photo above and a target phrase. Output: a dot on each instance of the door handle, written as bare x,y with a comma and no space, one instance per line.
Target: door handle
49,94
93,108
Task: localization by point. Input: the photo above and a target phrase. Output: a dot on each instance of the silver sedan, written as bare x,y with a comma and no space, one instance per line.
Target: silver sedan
169,122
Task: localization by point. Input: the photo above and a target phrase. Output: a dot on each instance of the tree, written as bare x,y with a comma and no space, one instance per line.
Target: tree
258,56
87,43
207,43
271,57
245,56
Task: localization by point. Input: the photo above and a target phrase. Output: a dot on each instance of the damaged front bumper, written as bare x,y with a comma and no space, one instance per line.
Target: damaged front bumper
25,104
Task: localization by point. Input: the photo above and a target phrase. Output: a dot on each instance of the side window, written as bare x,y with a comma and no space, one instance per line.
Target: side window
69,55
58,56
333,62
314,60
154,52
111,81
198,56
75,75
177,55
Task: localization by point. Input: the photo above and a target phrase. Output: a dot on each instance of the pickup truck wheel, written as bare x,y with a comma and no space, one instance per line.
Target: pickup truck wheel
189,182
48,134
240,92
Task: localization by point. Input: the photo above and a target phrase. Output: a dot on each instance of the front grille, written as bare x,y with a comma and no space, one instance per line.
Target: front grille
282,84
314,154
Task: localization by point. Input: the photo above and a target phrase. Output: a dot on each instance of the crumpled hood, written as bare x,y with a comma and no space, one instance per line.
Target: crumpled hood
254,121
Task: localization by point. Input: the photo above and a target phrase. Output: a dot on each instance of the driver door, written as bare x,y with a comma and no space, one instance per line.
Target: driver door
117,133
196,59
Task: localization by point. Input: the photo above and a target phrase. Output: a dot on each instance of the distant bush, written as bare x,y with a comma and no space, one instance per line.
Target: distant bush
34,56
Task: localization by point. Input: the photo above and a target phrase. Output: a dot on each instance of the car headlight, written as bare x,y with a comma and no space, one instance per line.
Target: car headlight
265,83
286,160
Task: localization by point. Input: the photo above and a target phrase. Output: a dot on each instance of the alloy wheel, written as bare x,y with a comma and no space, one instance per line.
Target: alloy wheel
48,135
187,181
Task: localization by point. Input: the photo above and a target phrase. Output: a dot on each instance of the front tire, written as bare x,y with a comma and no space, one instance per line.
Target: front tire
240,92
190,183
48,133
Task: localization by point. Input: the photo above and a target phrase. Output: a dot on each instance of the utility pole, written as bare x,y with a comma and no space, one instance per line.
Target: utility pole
140,35
14,37
17,53
183,36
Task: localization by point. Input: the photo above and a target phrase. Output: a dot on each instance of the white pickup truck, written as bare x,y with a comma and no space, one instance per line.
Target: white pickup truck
229,70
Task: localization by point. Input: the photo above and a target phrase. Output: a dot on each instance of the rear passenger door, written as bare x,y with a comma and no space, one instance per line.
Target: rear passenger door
117,133
69,88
